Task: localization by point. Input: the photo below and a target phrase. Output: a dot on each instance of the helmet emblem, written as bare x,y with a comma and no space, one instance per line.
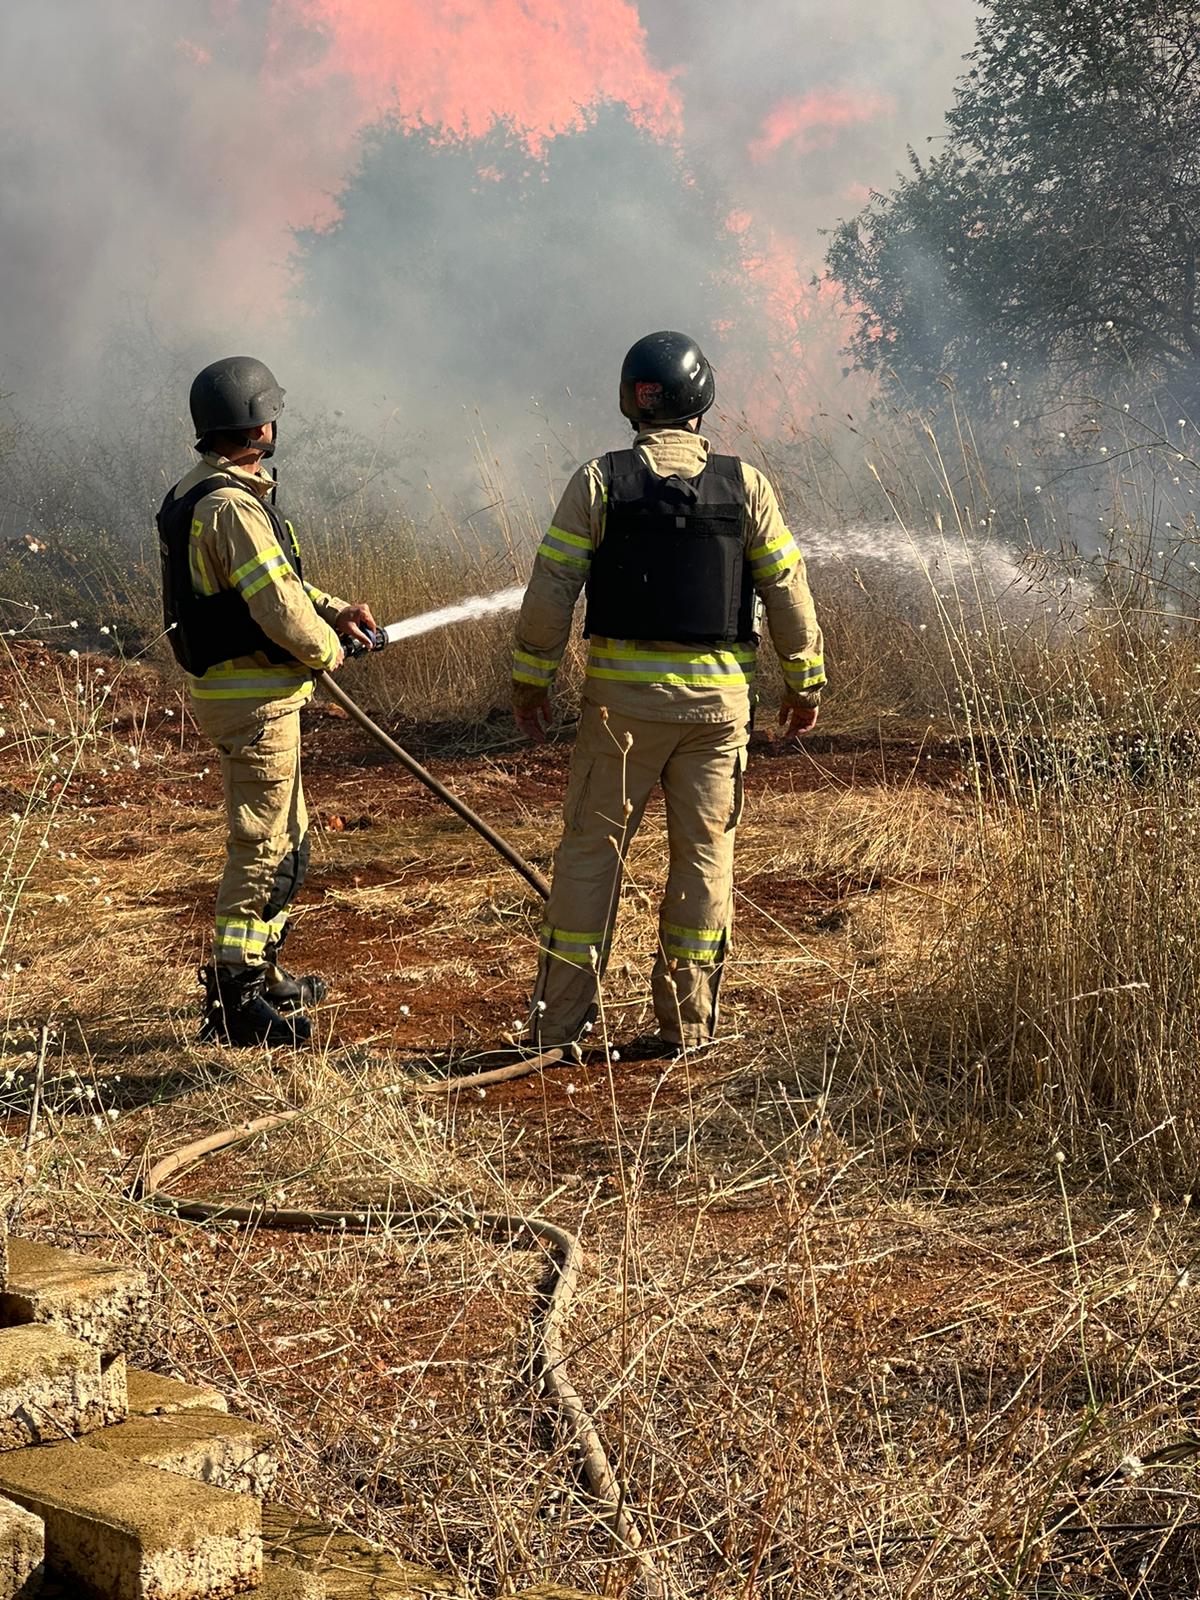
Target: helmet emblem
647,394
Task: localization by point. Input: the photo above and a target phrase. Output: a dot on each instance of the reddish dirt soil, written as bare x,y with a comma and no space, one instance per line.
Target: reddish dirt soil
358,795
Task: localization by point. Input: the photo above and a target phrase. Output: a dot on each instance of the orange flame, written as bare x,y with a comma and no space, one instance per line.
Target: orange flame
813,123
465,65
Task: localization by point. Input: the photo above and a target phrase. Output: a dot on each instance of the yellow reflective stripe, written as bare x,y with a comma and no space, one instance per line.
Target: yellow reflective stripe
568,936
680,668
251,932
201,582
704,935
565,944
561,556
581,541
769,560
693,944
762,574
759,552
227,682
240,938
568,549
529,668
247,567
571,957
247,691
806,673
257,574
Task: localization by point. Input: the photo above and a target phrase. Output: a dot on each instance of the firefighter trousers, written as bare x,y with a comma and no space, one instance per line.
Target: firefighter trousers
618,760
266,850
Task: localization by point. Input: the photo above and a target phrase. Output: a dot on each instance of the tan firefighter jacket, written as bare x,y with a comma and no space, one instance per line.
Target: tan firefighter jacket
662,680
233,546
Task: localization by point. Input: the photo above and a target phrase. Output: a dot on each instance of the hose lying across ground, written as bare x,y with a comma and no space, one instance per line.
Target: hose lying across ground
447,796
548,1357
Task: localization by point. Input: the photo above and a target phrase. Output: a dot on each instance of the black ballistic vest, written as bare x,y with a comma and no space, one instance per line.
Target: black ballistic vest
206,628
671,563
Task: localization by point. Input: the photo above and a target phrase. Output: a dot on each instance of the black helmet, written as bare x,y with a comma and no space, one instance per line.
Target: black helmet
235,393
666,378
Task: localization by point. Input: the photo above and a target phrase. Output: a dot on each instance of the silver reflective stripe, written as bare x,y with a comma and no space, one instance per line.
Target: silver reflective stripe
651,669
553,540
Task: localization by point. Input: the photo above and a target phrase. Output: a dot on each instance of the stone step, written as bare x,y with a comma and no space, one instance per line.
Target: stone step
349,1567
230,1452
106,1305
50,1387
22,1551
288,1583
128,1532
114,1387
151,1395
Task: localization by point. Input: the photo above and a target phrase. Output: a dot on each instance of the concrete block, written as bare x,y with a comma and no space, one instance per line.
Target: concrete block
113,1373
151,1395
50,1387
22,1550
119,1531
92,1300
230,1452
290,1583
350,1568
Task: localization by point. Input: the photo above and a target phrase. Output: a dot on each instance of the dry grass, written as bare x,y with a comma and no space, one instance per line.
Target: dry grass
892,1296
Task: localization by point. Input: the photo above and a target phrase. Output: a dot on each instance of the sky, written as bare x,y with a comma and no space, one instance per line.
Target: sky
401,204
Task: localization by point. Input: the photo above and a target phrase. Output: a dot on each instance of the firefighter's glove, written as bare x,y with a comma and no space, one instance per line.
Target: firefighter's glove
797,714
356,622
532,714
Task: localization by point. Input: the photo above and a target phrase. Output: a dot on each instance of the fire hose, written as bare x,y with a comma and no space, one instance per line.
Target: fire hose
548,1356
514,858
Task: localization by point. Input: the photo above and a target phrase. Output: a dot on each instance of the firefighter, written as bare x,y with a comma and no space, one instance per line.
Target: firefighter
249,631
676,548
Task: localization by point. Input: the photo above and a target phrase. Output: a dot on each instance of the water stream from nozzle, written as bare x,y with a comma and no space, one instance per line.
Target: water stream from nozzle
483,605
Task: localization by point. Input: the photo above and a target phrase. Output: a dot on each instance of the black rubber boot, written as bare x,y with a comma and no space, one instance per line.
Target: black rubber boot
286,992
283,989
237,1012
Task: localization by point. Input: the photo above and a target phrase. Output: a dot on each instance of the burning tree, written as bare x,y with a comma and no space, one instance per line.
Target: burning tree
1058,227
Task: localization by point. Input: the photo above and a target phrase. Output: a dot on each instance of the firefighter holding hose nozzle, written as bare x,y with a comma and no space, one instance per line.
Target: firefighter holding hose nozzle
677,548
250,632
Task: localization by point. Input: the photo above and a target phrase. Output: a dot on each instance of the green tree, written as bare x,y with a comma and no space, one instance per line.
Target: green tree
1058,227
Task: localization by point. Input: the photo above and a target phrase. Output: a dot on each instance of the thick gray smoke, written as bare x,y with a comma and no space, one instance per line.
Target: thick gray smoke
159,165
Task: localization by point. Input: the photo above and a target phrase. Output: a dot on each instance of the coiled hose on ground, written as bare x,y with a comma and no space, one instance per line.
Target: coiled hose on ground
548,1357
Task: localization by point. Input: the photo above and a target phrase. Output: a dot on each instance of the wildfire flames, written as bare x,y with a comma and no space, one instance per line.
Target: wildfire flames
463,67
537,66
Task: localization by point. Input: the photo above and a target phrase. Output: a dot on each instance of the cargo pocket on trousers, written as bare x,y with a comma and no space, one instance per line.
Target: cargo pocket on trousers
739,790
261,789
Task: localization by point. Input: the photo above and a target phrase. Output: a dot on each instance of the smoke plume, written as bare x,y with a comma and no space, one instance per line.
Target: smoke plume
415,210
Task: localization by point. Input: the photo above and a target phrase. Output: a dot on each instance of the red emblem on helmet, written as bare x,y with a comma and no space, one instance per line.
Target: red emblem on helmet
647,395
